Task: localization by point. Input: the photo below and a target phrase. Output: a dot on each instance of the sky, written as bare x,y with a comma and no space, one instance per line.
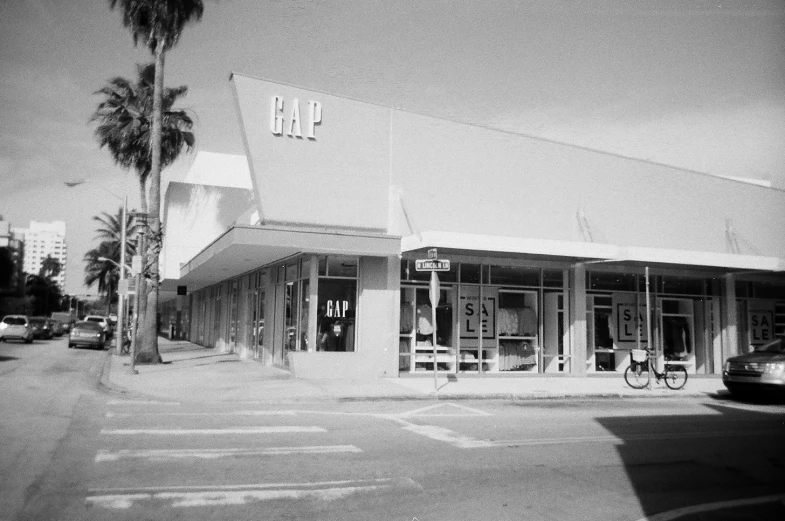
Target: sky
698,85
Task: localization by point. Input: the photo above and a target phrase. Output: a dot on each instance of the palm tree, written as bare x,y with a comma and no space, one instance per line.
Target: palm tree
104,273
111,232
125,118
50,268
159,25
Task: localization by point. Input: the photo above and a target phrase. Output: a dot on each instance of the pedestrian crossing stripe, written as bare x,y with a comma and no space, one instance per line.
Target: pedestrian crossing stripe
201,496
278,429
173,454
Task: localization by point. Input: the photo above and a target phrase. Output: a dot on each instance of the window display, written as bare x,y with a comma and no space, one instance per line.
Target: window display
337,306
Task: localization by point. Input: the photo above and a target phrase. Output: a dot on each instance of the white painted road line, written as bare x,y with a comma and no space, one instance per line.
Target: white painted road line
226,430
206,414
140,402
430,410
241,494
172,454
448,436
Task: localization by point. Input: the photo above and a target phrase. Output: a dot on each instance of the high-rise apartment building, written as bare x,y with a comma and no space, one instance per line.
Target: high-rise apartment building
42,240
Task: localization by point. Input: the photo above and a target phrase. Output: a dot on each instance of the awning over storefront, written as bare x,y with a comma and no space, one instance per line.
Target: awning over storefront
244,248
574,251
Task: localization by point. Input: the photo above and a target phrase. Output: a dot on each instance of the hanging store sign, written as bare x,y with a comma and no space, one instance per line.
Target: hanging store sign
630,328
761,326
288,117
477,318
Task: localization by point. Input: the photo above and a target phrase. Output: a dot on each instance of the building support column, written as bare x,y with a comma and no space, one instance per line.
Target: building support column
730,334
578,319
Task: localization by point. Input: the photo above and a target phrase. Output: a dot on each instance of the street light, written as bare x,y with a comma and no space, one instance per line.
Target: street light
120,298
107,259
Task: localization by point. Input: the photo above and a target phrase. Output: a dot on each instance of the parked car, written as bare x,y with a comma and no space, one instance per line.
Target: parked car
17,327
103,321
42,327
759,373
65,318
57,327
88,334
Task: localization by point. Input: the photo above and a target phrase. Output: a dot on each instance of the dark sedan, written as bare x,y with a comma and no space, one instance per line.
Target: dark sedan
42,327
87,334
761,372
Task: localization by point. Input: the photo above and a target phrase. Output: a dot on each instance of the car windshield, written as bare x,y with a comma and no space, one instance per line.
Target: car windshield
95,319
772,347
14,321
92,326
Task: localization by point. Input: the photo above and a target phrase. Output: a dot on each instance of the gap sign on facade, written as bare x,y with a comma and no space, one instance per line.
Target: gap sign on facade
288,115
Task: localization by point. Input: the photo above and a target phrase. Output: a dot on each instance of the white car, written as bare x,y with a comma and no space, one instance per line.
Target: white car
18,327
103,321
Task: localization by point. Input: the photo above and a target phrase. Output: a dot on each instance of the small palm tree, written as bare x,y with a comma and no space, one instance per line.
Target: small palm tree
99,271
50,268
158,24
111,232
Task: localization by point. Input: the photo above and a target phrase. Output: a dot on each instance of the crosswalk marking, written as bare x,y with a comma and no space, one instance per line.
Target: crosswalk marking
206,414
140,402
199,496
226,430
431,410
448,436
171,454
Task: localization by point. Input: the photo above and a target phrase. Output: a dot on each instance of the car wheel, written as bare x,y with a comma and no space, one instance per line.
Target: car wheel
28,340
70,346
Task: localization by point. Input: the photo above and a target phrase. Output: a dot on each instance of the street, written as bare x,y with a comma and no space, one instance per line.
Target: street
73,451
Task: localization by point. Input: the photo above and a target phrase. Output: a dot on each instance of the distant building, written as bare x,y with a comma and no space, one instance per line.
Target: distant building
11,260
42,240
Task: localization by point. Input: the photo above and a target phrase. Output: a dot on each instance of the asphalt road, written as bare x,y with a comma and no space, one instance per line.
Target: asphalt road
104,456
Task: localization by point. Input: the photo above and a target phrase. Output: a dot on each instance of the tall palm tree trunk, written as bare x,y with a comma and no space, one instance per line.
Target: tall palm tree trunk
149,353
140,300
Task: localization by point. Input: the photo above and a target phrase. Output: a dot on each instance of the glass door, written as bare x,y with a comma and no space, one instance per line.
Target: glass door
676,333
519,333
416,349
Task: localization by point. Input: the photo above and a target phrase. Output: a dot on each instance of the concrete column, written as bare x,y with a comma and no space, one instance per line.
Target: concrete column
730,334
578,319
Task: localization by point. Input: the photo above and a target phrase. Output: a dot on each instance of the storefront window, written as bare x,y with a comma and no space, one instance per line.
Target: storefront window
514,276
304,307
683,285
470,273
337,309
290,315
611,281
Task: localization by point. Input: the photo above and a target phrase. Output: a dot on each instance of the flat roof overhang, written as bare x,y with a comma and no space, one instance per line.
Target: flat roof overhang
576,252
244,248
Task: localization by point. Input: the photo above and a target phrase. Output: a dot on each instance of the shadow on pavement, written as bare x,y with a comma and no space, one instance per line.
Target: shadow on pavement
676,463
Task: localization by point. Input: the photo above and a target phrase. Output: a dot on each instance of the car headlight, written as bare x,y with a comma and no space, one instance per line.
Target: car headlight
773,367
3,325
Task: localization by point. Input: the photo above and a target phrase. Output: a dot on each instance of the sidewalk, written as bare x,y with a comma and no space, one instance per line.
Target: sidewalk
194,373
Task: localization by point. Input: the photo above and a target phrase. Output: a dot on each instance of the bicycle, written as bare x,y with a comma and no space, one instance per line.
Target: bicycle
637,373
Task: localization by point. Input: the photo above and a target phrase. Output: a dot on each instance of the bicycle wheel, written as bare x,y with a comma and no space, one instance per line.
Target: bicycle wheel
636,375
675,376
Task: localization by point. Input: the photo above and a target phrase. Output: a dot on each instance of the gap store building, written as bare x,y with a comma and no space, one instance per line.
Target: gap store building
306,259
